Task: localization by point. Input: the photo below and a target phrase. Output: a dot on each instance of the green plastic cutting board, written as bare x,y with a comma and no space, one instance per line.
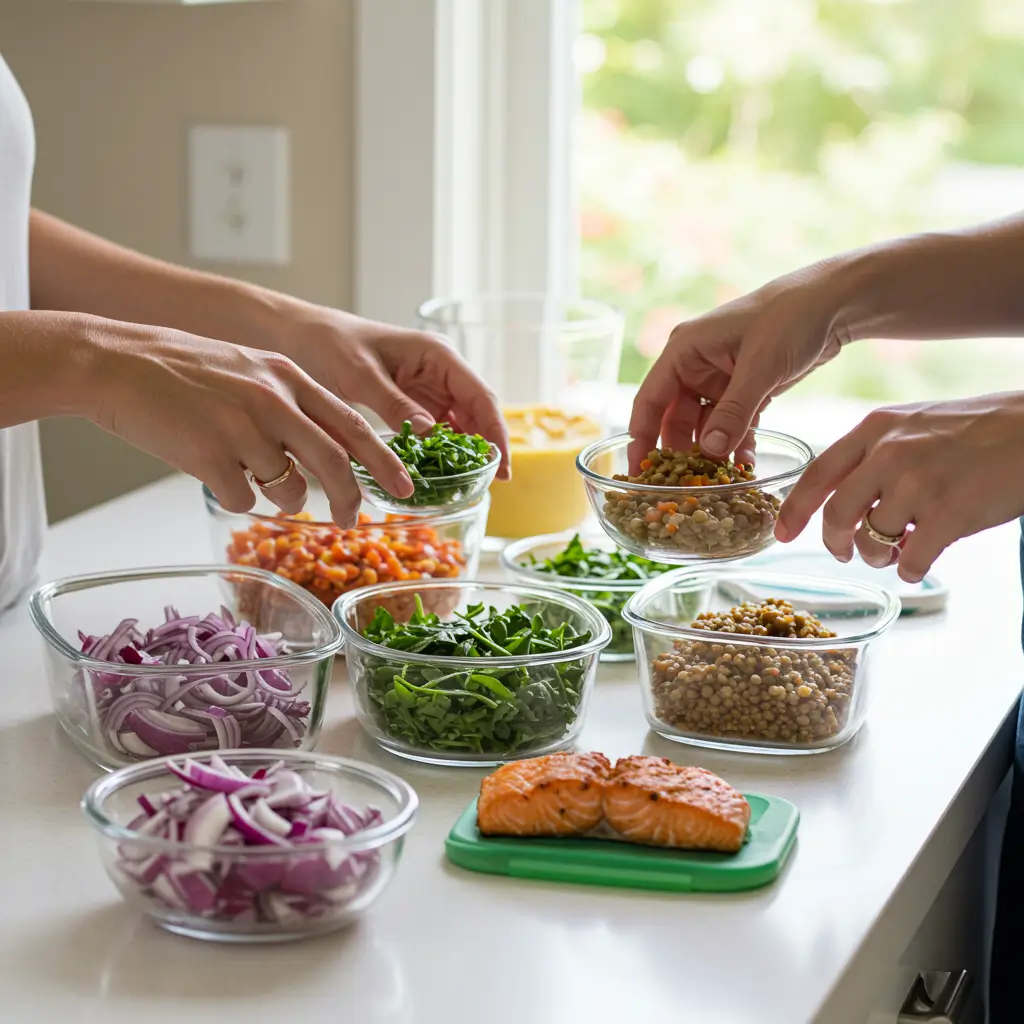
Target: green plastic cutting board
772,833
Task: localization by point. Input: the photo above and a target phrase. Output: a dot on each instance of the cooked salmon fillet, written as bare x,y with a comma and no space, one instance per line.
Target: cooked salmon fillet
555,795
653,801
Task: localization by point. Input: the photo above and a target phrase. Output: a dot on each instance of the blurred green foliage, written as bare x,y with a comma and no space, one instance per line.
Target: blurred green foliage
725,142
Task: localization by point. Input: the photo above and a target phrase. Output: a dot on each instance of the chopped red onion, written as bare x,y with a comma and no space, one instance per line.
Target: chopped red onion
219,807
148,716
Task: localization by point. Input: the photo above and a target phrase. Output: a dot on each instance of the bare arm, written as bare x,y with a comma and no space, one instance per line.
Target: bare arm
938,285
73,270
942,285
398,373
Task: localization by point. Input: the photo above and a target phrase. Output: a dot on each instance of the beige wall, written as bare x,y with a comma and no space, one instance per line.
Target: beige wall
113,88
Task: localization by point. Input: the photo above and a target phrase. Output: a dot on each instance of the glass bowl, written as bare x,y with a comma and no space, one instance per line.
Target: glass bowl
470,711
327,561
431,494
758,694
259,893
520,560
691,524
118,714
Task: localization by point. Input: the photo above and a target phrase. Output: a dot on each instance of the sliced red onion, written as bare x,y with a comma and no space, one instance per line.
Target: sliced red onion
265,820
219,708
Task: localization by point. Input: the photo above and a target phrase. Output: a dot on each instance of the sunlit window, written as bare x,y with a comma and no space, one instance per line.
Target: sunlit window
725,142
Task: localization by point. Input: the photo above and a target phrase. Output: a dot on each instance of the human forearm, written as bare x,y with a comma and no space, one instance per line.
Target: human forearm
938,285
47,366
73,270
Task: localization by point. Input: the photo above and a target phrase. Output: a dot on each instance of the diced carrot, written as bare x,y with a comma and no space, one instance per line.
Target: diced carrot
646,464
671,528
653,515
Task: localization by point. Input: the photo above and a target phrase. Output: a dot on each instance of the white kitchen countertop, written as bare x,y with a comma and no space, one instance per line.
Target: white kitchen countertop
883,820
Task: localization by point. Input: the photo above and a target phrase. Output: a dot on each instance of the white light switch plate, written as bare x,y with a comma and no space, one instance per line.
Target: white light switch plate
239,194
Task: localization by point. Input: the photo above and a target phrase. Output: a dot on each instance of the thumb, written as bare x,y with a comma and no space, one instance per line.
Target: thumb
379,392
732,415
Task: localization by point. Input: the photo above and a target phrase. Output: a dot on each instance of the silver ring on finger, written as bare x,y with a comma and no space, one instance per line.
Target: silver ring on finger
888,539
266,485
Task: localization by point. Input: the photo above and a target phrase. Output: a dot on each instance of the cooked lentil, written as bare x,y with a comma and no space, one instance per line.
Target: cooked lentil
717,524
740,691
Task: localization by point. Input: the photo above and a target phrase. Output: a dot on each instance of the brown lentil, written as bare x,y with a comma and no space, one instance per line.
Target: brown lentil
716,525
714,688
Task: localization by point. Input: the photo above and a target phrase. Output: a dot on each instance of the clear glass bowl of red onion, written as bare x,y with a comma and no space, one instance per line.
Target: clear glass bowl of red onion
184,659
251,845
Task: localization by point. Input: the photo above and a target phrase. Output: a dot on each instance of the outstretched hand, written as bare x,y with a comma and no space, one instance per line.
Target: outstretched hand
930,473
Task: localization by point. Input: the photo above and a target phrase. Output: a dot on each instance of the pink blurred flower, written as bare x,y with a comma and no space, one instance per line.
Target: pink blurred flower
626,277
706,233
596,224
657,326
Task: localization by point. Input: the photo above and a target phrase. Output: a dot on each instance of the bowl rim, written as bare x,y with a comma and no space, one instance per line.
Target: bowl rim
600,630
87,581
601,315
91,804
520,547
608,444
471,475
457,513
889,608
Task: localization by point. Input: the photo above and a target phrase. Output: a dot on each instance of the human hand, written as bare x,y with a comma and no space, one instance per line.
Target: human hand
945,470
213,410
737,358
400,374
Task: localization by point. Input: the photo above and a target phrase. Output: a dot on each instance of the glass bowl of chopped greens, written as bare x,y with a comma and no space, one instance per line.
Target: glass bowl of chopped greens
592,568
506,672
682,507
448,469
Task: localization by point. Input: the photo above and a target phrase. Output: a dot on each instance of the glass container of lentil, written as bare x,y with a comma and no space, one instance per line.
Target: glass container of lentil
329,561
681,507
769,663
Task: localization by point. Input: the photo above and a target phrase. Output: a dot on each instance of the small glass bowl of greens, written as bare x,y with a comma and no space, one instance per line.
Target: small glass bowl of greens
506,674
591,567
448,469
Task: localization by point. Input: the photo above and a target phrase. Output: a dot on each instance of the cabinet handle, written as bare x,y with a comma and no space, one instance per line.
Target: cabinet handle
936,997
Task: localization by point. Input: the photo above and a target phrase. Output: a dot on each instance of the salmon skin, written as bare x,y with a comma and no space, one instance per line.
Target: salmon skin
648,800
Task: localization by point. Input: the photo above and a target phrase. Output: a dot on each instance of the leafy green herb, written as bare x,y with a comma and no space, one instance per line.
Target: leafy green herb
576,561
500,710
435,457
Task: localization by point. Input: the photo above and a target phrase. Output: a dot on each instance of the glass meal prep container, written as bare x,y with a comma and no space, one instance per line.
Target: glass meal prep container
328,561
747,690
431,493
471,710
679,524
227,891
523,561
253,674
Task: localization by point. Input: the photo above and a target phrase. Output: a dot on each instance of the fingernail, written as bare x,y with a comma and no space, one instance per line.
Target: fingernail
405,485
421,424
715,442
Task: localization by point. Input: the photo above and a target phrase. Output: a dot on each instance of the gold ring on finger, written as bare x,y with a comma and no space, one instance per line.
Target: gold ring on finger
278,480
887,539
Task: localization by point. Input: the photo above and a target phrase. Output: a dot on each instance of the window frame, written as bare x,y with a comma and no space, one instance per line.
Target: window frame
463,149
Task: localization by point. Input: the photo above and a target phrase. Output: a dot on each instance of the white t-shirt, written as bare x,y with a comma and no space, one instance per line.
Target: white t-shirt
22,505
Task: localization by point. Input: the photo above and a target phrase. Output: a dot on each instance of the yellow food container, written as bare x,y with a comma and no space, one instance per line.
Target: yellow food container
545,494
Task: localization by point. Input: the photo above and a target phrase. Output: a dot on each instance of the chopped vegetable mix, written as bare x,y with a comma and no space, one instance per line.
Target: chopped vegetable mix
576,561
484,709
433,459
329,561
